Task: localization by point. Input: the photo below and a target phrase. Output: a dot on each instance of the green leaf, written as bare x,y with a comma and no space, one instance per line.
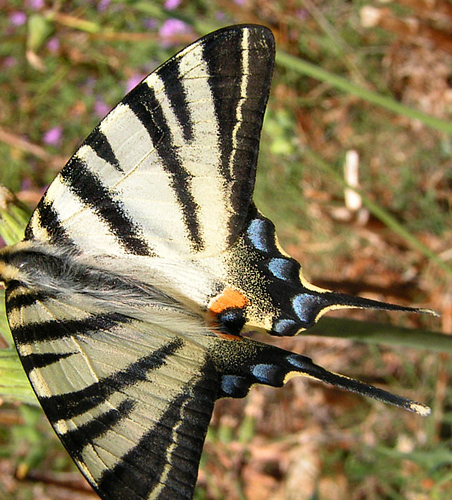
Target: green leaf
14,216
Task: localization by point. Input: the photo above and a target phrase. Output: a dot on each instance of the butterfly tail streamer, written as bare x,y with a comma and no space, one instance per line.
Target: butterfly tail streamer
306,367
337,300
258,363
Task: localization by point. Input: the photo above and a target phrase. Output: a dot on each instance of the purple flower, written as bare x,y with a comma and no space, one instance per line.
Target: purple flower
18,18
35,4
133,81
9,62
53,44
53,136
101,108
302,14
26,184
150,24
171,4
103,5
220,16
240,2
171,28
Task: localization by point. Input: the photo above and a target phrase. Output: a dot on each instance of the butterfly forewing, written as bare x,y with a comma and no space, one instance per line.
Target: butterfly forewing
170,171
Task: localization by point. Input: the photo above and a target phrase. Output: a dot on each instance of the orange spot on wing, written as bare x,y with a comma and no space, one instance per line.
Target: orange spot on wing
227,336
228,299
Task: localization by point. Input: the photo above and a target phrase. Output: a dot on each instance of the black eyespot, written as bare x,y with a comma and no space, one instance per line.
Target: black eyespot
231,320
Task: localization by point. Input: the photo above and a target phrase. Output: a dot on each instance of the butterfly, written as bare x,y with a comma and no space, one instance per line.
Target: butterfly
145,262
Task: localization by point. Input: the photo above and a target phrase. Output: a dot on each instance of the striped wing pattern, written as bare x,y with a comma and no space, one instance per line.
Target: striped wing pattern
144,261
130,399
123,375
170,171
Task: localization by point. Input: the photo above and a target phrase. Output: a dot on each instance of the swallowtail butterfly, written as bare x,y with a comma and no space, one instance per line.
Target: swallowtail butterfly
145,261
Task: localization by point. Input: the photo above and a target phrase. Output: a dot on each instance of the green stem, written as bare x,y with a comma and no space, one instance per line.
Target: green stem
307,68
376,333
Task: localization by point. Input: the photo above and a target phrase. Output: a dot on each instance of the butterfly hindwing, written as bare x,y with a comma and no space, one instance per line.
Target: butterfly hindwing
130,398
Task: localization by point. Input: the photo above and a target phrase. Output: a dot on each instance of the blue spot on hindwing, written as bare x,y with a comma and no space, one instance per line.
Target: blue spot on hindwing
285,327
307,306
268,374
292,306
256,234
234,386
283,269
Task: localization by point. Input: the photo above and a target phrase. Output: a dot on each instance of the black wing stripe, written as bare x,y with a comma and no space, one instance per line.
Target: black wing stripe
26,299
46,217
35,360
240,110
176,439
90,190
143,102
100,144
179,102
53,330
239,118
154,442
226,114
69,405
76,439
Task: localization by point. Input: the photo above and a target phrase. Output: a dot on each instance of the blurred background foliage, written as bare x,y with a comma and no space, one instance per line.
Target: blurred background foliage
357,82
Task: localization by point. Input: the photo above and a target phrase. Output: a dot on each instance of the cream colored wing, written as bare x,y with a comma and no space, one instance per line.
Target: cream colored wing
171,169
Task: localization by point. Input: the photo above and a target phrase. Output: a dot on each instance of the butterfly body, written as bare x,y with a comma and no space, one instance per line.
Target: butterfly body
144,263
